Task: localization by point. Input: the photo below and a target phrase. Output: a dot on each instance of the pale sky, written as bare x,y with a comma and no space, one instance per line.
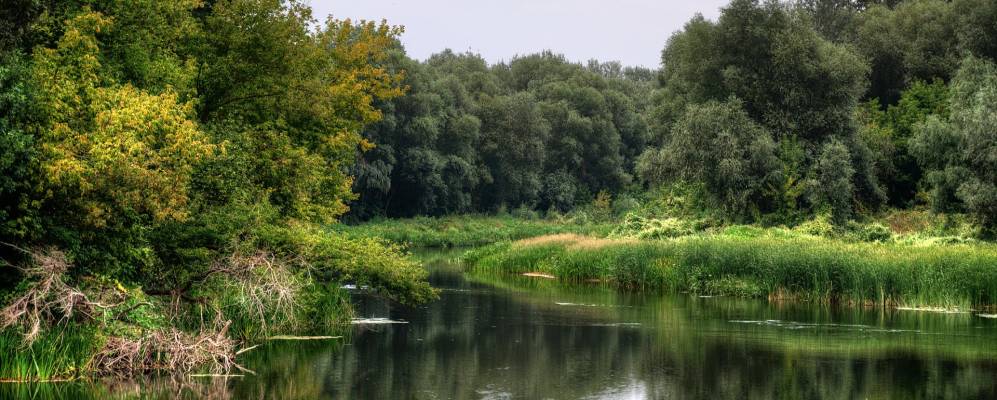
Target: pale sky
630,31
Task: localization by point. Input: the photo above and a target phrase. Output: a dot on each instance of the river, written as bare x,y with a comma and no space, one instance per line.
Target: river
501,337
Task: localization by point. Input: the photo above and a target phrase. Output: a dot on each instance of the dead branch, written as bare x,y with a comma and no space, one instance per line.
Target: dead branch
168,350
266,287
48,299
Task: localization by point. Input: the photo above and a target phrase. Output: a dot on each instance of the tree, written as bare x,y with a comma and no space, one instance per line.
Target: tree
958,153
426,161
513,133
974,115
916,40
19,173
889,133
435,153
833,186
796,84
719,146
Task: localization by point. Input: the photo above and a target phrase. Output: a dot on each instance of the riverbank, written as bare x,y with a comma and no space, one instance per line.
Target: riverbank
777,264
469,230
56,328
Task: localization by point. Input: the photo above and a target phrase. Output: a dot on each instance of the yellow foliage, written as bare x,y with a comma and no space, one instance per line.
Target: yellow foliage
112,149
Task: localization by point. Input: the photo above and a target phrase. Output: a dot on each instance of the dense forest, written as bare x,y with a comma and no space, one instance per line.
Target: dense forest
772,113
177,166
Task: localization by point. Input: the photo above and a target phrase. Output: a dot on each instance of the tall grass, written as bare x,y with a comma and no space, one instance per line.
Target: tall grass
60,353
817,270
467,230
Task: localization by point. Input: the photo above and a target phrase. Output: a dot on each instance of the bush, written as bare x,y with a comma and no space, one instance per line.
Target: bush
635,226
624,205
820,225
874,232
524,212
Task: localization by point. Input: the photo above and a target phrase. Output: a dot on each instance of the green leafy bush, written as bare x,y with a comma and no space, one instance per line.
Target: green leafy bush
872,232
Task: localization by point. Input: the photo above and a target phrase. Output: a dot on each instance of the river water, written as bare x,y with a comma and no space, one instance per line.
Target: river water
500,337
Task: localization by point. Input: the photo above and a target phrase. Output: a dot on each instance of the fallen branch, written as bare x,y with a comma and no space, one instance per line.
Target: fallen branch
48,298
246,349
216,375
284,337
168,350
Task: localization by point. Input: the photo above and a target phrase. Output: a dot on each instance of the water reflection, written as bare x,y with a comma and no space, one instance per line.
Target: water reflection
497,337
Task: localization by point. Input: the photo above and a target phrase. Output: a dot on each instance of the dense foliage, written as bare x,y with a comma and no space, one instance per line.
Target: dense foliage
774,112
186,153
538,131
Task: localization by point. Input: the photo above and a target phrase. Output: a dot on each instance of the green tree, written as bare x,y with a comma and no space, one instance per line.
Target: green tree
889,133
916,40
833,185
958,153
513,133
719,146
796,84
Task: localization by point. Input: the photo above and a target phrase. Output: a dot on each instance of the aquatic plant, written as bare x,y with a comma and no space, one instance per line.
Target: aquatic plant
780,268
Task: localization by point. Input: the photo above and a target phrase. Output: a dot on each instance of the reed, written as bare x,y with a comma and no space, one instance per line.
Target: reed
57,354
958,276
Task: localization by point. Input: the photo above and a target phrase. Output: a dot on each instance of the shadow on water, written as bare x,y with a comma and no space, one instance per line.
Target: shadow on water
496,337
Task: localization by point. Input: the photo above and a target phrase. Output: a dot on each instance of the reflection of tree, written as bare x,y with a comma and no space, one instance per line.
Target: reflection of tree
500,334
518,341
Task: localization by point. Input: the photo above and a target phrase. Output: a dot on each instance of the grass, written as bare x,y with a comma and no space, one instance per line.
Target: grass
58,354
772,263
467,230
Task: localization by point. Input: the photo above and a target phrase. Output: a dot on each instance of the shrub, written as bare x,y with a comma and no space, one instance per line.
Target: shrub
624,205
820,225
525,212
634,226
874,232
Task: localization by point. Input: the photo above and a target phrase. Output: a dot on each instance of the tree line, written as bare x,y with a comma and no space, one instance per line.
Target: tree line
773,112
469,136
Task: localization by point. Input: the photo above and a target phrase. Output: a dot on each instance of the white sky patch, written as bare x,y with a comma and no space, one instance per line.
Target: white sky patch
630,31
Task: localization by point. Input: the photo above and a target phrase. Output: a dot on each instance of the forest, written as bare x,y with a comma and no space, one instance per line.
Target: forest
179,179
773,113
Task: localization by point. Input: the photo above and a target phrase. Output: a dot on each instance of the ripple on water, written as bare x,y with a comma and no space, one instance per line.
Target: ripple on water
803,325
375,321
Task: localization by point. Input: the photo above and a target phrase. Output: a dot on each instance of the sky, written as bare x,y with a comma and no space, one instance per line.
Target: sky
630,31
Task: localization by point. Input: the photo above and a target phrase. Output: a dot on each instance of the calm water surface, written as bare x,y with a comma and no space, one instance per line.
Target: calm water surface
499,337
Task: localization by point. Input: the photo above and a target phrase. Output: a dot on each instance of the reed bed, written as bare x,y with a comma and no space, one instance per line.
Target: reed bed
944,277
54,355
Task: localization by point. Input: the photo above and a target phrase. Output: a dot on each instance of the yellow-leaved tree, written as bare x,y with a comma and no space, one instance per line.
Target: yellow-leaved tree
111,150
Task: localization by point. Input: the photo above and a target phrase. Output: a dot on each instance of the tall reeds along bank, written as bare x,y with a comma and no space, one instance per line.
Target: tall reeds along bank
951,277
57,354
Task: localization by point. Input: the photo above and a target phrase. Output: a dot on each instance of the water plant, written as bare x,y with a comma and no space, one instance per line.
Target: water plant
780,268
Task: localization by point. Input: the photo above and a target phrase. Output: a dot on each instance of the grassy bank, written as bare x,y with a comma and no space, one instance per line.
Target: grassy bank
774,263
55,327
469,230
59,354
